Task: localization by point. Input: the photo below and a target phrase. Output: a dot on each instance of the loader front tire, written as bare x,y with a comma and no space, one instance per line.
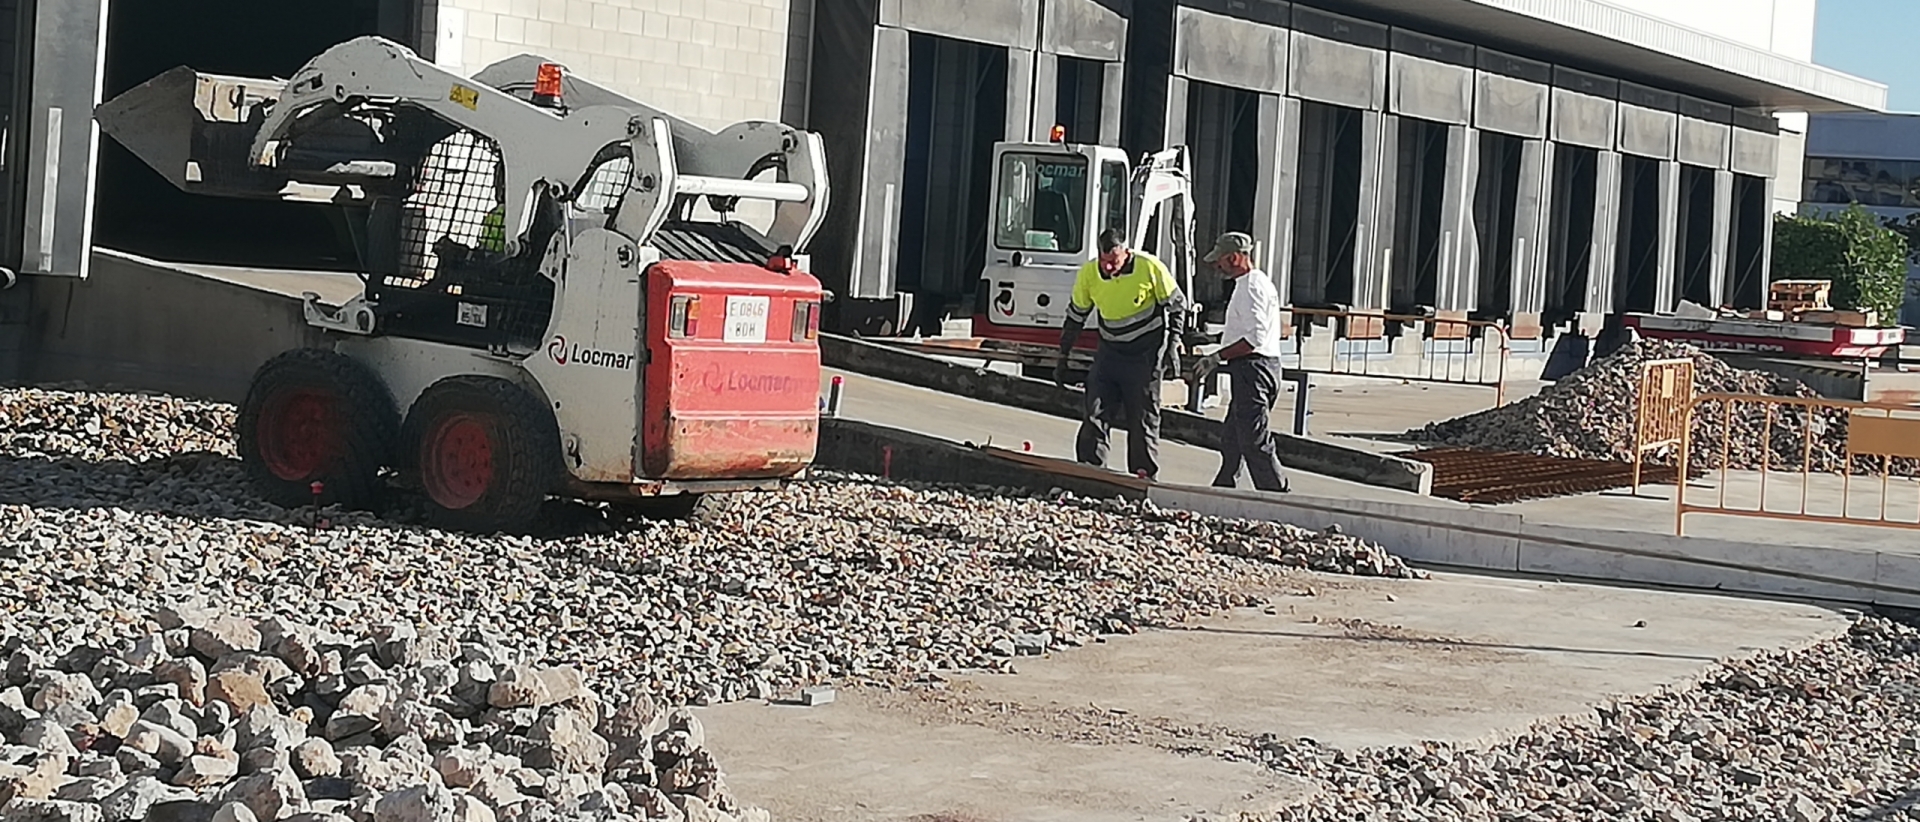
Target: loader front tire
485,451
315,416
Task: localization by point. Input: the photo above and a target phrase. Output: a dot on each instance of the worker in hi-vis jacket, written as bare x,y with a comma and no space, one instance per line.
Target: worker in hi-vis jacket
1141,315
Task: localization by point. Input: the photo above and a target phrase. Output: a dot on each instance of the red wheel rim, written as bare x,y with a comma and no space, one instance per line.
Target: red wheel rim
299,433
457,461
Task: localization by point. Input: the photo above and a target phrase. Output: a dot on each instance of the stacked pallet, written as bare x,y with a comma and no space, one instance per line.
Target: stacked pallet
1809,301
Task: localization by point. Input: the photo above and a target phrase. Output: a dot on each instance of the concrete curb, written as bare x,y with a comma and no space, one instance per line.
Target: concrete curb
877,450
933,373
1466,539
1497,541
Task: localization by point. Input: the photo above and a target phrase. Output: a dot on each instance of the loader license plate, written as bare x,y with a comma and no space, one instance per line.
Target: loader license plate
747,318
473,315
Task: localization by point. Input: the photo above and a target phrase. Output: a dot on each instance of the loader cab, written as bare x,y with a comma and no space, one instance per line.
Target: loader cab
1050,201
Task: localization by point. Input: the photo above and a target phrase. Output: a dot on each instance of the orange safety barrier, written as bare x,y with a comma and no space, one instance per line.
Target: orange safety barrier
1813,460
1448,354
1660,411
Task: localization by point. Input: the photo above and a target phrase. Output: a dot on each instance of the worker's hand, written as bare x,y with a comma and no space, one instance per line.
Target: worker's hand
1206,366
1060,372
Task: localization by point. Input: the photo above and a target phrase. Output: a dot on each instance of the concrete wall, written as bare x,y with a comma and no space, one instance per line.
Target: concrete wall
1784,27
714,62
143,326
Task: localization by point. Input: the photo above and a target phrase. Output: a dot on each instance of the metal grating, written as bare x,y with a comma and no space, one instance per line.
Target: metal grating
458,185
711,243
1495,478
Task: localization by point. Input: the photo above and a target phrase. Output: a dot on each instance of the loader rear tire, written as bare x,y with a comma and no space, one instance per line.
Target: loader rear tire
485,451
313,415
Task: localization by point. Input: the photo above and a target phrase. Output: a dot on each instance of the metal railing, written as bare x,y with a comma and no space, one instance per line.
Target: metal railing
1814,460
1457,352
1661,412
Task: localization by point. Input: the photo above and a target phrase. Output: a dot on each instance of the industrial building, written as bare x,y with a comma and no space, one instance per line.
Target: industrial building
1870,160
1541,163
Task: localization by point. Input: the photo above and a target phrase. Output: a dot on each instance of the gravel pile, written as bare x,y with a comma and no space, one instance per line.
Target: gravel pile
218,718
102,427
1827,733
829,580
1591,415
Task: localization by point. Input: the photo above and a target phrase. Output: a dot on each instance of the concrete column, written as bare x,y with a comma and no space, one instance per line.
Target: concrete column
1604,261
1374,256
1020,93
1046,90
1457,281
1277,196
1766,244
1373,233
1530,227
1112,91
1667,270
1722,265
877,239
1176,135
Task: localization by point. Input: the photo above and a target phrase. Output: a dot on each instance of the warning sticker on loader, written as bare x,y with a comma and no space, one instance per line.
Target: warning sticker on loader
465,96
747,318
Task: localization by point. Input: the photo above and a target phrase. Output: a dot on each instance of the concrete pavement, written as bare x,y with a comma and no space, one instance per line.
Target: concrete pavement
1126,729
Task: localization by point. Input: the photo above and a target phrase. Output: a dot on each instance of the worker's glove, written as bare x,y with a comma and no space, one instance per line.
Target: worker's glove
1206,366
1060,372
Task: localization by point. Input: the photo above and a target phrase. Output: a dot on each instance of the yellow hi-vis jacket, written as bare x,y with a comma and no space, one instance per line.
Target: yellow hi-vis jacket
1130,303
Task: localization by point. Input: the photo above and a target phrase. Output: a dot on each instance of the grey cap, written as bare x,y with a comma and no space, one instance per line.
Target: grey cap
1232,242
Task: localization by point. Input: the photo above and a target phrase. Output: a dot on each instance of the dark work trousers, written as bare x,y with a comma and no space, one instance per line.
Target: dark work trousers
1123,388
1255,383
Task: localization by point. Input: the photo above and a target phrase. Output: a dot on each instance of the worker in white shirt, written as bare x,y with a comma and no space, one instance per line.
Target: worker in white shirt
1252,358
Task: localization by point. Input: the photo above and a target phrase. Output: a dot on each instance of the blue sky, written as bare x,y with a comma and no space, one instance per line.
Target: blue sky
1873,39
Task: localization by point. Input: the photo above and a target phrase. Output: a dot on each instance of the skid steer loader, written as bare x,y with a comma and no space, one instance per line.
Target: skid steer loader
558,296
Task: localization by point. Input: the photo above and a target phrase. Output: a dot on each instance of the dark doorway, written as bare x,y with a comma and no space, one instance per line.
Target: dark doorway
1223,132
1747,275
1576,184
1077,97
1422,170
1496,201
15,17
1637,280
138,211
956,111
1695,245
1328,216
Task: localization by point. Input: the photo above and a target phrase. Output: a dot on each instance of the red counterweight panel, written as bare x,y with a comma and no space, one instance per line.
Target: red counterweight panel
731,390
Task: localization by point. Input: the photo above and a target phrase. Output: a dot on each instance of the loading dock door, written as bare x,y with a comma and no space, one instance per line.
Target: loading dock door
1705,200
1753,162
1223,134
13,67
957,109
1570,237
1346,158
1419,200
69,51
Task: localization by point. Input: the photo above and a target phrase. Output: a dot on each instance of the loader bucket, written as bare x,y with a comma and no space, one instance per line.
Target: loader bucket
195,130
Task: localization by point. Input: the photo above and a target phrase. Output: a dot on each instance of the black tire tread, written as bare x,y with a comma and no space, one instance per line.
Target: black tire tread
372,429
528,475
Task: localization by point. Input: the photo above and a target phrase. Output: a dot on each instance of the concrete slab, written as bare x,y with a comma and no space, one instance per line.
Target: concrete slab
1358,663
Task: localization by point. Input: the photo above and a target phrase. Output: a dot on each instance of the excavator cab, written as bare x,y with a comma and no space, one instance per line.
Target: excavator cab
1051,201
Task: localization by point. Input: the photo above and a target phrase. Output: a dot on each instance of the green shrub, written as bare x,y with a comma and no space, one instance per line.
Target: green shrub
1866,261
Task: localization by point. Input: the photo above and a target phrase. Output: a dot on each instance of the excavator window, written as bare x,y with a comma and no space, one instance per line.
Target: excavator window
1114,196
1042,198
